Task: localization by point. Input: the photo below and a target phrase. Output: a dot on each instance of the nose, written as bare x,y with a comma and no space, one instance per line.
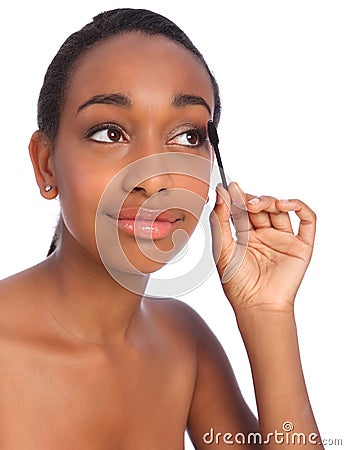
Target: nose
154,184
149,176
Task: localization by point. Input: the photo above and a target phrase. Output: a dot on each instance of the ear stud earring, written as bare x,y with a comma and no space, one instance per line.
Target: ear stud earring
48,188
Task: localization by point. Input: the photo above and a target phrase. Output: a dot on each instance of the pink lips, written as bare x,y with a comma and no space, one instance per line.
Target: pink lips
146,223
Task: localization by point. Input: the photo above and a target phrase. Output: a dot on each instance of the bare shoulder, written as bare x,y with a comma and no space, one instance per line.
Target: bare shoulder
10,289
15,285
178,317
21,277
16,295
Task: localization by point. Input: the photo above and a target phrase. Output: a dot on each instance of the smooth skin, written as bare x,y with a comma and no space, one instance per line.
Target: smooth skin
87,364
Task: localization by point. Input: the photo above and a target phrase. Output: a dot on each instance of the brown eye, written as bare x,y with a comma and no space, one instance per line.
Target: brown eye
191,138
106,134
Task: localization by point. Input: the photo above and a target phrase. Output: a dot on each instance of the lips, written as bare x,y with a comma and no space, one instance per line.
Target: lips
146,223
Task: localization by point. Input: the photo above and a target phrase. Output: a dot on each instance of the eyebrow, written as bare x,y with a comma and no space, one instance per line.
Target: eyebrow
181,100
121,100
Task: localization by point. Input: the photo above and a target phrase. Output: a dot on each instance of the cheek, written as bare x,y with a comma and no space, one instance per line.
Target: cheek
80,184
198,183
196,195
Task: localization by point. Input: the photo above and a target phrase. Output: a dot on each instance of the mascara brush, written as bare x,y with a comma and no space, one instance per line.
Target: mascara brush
214,140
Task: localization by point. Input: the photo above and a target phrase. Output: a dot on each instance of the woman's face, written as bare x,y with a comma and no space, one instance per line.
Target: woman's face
133,135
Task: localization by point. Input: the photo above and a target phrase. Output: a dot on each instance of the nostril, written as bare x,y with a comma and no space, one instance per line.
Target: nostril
142,189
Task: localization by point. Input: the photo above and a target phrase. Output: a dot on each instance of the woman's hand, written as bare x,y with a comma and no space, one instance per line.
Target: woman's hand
264,266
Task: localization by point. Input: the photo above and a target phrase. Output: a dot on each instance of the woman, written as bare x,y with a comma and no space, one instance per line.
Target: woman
90,361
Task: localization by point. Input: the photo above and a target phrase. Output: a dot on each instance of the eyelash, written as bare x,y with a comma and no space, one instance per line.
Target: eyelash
101,127
201,134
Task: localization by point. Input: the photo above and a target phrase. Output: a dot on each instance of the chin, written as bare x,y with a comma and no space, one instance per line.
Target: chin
141,257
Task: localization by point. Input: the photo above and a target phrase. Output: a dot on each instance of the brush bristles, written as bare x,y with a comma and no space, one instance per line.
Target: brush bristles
212,133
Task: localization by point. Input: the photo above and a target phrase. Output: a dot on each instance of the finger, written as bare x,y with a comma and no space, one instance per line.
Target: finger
265,214
223,203
260,220
239,214
228,253
237,194
259,210
282,222
220,226
263,203
307,225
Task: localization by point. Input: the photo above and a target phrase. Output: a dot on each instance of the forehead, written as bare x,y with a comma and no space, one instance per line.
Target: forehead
145,67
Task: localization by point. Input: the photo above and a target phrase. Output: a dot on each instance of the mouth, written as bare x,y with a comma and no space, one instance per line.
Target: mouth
144,223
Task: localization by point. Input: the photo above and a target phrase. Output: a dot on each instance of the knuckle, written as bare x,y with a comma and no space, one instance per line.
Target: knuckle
309,211
314,215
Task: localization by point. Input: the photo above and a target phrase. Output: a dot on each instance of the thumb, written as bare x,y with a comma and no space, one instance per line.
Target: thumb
222,239
229,253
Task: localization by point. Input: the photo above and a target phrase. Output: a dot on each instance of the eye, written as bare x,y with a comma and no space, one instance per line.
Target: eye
108,133
191,138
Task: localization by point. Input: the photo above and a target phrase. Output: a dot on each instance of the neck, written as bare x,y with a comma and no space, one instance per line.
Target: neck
85,300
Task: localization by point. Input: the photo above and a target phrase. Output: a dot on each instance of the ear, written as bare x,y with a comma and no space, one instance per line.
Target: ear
41,155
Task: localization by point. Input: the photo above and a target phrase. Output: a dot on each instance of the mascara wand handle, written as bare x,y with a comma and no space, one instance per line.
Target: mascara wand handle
214,140
221,170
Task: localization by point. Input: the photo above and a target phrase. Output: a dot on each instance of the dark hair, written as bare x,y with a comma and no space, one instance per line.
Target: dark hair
103,26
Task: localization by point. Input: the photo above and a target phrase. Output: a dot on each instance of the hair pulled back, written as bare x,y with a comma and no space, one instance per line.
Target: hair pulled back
103,26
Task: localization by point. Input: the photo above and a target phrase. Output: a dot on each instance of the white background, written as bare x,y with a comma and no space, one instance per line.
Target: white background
282,75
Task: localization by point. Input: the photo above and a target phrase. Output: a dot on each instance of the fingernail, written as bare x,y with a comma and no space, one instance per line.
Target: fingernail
254,201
